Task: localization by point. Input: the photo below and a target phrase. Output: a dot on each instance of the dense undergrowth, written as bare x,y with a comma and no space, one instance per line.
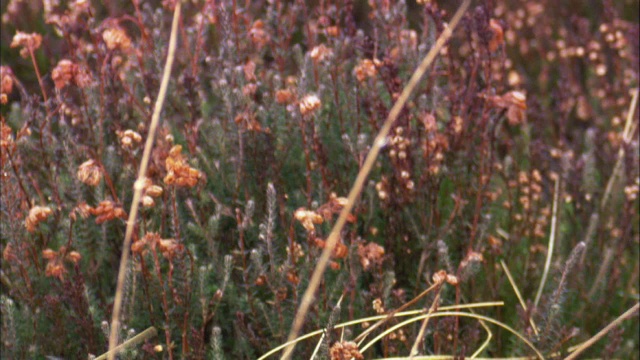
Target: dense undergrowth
517,152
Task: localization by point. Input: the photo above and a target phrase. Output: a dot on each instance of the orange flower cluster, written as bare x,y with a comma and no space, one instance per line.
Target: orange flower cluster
116,38
370,254
37,214
6,83
285,96
150,191
441,277
178,171
308,218
258,35
248,121
345,350
55,261
168,247
309,104
366,69
516,104
497,35
324,213
7,144
90,173
67,72
339,252
28,42
106,211
128,138
320,53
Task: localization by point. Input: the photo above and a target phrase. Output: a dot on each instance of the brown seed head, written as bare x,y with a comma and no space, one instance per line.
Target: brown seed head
37,214
89,172
28,42
116,38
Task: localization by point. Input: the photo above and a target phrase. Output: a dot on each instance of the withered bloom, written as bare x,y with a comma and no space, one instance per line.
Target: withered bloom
345,350
285,96
106,211
179,173
116,38
308,218
6,83
28,42
366,69
370,254
37,214
259,36
309,104
89,172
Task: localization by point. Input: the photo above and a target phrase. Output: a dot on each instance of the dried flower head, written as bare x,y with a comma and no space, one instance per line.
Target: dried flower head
8,253
309,104
116,38
63,73
169,247
128,138
249,70
370,254
106,211
74,257
6,83
179,172
90,173
516,104
320,53
285,96
497,35
439,277
7,143
37,214
340,251
258,35
345,350
28,42
366,69
377,306
308,218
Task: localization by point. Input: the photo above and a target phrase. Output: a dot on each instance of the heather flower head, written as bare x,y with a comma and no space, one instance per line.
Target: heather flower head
129,138
308,218
366,69
107,211
309,104
7,142
259,35
27,42
116,39
67,72
149,192
179,172
345,350
371,255
37,214
6,83
90,173
320,53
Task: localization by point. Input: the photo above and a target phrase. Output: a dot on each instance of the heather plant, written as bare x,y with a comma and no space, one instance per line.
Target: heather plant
326,180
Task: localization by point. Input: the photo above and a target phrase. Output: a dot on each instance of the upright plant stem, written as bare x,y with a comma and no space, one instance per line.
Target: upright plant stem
138,186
